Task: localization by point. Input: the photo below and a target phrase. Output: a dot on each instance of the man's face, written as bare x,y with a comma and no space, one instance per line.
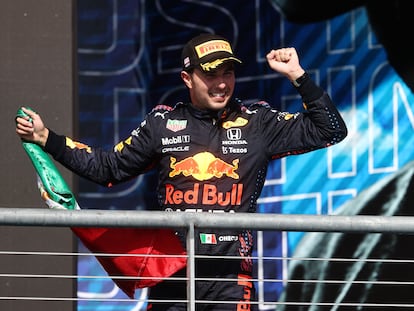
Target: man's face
210,90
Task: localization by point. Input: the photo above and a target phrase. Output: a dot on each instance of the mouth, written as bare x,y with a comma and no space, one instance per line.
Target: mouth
218,95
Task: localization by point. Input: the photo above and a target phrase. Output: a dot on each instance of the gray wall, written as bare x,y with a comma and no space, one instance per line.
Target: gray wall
37,68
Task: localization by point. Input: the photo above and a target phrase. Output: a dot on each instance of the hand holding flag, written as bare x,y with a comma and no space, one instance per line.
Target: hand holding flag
159,253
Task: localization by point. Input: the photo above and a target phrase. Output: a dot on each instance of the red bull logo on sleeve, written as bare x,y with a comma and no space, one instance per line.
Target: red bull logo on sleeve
78,145
204,166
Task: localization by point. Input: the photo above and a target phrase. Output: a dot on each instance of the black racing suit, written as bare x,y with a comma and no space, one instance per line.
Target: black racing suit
210,162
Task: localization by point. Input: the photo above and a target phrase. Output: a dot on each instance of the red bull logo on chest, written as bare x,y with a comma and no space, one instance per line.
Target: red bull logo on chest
206,194
204,166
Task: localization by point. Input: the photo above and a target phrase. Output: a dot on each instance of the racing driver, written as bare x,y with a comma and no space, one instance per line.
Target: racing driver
212,154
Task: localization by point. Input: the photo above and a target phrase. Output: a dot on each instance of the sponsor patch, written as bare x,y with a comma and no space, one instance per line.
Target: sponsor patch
212,46
176,125
204,166
237,123
183,139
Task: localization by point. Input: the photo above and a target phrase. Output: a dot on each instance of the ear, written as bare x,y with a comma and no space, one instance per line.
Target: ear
186,78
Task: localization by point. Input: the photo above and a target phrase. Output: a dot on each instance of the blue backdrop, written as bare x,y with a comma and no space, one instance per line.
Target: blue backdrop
129,61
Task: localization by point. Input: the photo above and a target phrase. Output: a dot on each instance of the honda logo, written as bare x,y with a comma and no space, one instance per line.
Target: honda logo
234,134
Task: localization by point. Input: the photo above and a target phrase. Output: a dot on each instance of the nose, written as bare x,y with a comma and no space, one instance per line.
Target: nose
222,84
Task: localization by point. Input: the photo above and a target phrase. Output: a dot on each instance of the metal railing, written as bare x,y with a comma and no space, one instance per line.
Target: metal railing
154,219
190,221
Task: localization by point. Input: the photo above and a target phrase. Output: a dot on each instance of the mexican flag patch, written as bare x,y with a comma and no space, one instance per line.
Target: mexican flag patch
208,238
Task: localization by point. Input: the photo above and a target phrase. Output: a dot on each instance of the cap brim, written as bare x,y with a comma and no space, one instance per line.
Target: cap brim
207,66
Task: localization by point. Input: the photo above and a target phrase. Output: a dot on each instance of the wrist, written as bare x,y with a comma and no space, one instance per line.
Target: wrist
300,80
43,137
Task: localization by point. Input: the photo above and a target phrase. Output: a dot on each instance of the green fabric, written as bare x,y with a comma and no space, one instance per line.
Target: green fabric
53,183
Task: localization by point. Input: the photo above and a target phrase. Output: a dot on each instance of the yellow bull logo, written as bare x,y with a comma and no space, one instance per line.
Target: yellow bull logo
204,166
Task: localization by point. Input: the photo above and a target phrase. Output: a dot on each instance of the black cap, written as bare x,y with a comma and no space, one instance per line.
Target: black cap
208,51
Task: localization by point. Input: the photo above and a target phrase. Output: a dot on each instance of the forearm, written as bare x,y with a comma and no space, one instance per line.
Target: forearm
55,144
308,90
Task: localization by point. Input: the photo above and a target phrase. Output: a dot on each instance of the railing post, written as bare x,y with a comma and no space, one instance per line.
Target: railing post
190,268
